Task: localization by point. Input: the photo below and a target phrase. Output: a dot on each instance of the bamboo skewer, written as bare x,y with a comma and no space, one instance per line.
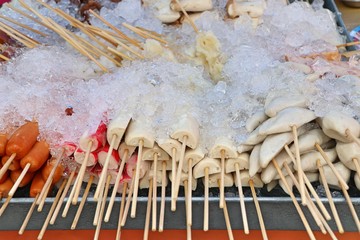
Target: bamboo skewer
180,167
144,34
242,201
206,200
28,215
128,201
348,44
154,193
23,26
297,206
122,55
46,223
162,204
258,210
4,57
5,204
354,138
5,29
329,196
116,185
310,187
173,176
186,192
103,175
310,204
48,182
19,34
102,210
351,206
222,180
82,203
137,173
227,218
98,206
25,15
63,195
314,211
6,166
18,181
148,211
121,212
357,165
298,164
80,176
68,203
189,195
331,165
187,16
121,34
41,205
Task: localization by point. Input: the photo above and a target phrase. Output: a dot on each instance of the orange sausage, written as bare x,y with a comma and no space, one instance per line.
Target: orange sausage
22,140
46,170
36,157
5,187
4,177
3,141
15,165
36,185
14,175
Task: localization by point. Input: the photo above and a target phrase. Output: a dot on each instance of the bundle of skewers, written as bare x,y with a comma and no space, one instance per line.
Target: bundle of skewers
287,145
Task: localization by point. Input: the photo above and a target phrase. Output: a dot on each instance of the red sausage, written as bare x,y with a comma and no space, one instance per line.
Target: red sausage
46,170
22,140
15,165
36,185
36,157
5,187
14,175
3,141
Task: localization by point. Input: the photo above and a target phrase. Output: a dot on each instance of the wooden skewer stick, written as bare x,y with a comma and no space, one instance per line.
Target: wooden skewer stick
143,33
331,165
189,195
63,195
320,220
354,138
4,206
4,57
173,176
351,206
137,176
296,204
227,219
98,207
48,182
329,196
20,34
68,203
206,200
6,166
18,181
42,203
120,54
311,206
347,44
154,193
121,34
128,201
23,26
310,187
163,191
82,203
102,210
28,216
298,164
180,166
242,201
149,31
80,176
46,223
187,16
116,185
148,211
11,34
26,15
101,182
258,210
222,179
357,165
186,191
121,212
